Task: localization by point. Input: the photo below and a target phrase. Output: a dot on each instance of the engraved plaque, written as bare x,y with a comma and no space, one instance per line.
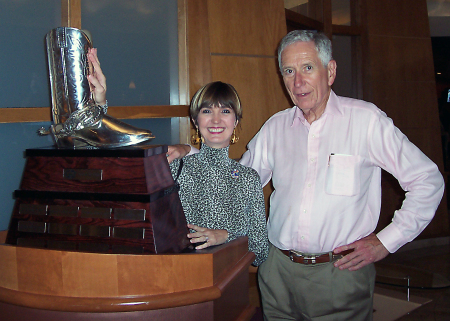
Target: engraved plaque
67,211
129,214
96,212
128,233
60,228
31,227
87,175
32,209
94,230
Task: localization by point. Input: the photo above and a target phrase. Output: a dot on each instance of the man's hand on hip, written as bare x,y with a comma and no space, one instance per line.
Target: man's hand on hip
366,250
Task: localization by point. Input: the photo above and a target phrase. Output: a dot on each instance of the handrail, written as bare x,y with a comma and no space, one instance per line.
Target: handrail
42,114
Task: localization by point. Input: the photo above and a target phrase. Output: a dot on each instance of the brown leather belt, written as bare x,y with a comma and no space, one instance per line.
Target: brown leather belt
308,258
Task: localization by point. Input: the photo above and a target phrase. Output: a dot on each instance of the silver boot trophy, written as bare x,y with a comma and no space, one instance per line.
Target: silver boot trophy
78,122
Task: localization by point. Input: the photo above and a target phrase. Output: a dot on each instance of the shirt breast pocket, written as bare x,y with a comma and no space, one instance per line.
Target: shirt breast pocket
343,175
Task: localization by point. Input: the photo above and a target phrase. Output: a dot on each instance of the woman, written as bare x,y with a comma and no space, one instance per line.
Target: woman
222,199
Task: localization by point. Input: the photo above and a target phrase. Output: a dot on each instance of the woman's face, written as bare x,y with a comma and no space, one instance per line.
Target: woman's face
216,124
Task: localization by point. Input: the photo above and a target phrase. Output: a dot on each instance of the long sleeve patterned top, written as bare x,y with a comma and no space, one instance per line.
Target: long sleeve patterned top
219,193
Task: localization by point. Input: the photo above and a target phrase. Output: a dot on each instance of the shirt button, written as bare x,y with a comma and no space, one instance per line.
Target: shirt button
304,211
312,160
309,185
302,237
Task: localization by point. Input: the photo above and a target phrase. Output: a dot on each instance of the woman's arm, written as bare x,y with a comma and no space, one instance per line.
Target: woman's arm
258,242
208,236
96,78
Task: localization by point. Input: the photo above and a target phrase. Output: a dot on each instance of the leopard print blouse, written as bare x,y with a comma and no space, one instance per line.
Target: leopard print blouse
219,193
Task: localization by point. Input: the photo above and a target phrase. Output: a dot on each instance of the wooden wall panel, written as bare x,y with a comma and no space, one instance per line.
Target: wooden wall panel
260,89
235,41
403,18
244,36
408,103
403,59
400,80
428,140
251,27
198,40
183,62
71,13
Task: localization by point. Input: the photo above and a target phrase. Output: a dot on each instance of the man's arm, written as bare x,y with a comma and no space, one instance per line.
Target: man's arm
179,151
417,175
256,156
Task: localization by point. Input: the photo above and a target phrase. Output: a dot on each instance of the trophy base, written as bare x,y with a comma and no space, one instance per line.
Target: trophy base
99,200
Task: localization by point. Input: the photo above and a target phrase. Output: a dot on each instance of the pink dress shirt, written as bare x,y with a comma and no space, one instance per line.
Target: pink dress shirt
327,177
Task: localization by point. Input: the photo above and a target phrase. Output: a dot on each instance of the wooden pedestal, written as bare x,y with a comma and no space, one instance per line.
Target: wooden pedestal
86,240
103,201
42,285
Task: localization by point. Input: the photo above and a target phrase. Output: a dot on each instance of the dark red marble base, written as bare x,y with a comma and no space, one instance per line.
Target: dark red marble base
102,201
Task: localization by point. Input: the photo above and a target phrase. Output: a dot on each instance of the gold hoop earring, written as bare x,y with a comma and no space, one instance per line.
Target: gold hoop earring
234,138
196,138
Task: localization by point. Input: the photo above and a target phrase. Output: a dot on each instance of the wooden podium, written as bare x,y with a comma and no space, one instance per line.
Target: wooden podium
101,235
42,285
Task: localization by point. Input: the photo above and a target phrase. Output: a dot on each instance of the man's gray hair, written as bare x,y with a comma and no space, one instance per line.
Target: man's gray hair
322,43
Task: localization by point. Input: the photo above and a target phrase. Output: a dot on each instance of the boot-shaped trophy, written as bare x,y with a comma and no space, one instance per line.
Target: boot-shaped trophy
78,122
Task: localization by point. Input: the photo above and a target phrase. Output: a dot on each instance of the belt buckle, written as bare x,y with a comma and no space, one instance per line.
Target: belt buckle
307,259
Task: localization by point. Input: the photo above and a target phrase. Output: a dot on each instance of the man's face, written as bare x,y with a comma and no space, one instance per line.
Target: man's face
306,79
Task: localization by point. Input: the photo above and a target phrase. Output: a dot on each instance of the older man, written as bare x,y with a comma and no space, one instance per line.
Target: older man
324,157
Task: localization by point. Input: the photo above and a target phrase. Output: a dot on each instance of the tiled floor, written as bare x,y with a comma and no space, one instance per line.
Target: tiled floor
428,264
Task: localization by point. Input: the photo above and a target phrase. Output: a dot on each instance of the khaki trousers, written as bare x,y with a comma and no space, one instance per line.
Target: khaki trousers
320,292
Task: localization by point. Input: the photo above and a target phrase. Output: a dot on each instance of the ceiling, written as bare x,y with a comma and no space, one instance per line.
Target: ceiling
439,18
438,8
438,13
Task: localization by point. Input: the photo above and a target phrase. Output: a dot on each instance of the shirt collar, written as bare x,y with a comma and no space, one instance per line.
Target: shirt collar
333,108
